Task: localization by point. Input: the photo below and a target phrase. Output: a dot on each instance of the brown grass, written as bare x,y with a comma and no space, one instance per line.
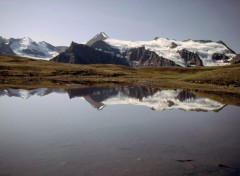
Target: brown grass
23,72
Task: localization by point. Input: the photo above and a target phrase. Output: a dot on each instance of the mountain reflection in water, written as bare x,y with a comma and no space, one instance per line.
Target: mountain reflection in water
156,99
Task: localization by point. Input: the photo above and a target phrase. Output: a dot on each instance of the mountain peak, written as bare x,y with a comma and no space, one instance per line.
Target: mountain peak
27,38
98,37
103,34
73,43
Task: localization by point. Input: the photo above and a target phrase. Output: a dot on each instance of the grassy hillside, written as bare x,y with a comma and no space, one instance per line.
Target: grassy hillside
22,72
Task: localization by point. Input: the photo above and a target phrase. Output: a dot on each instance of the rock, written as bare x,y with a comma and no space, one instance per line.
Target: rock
217,56
190,58
203,41
5,49
173,45
140,57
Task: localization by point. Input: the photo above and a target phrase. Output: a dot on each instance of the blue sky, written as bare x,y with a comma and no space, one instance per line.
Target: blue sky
61,21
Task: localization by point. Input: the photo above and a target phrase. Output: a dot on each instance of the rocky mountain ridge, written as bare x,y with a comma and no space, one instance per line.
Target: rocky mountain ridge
104,50
160,52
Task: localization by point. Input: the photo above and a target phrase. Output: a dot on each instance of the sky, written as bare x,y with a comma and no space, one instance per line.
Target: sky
60,22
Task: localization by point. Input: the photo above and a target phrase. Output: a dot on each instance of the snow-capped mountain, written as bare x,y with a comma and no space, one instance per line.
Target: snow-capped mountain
155,99
156,52
26,47
165,52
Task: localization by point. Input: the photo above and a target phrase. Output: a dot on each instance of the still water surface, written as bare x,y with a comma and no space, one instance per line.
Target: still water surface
116,131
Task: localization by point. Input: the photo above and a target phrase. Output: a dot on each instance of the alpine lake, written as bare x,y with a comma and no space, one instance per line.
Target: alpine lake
117,131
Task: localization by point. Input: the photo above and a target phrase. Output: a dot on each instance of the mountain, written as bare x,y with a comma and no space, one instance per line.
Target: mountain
165,52
26,47
104,50
84,54
155,99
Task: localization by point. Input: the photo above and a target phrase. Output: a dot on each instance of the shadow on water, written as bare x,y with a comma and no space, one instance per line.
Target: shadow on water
156,99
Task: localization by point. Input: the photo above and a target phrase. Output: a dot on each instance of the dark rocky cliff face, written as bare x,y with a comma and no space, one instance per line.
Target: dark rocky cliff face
217,56
83,54
190,58
140,57
5,49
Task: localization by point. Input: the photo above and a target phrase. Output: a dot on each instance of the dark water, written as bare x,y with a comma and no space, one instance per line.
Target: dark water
117,132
